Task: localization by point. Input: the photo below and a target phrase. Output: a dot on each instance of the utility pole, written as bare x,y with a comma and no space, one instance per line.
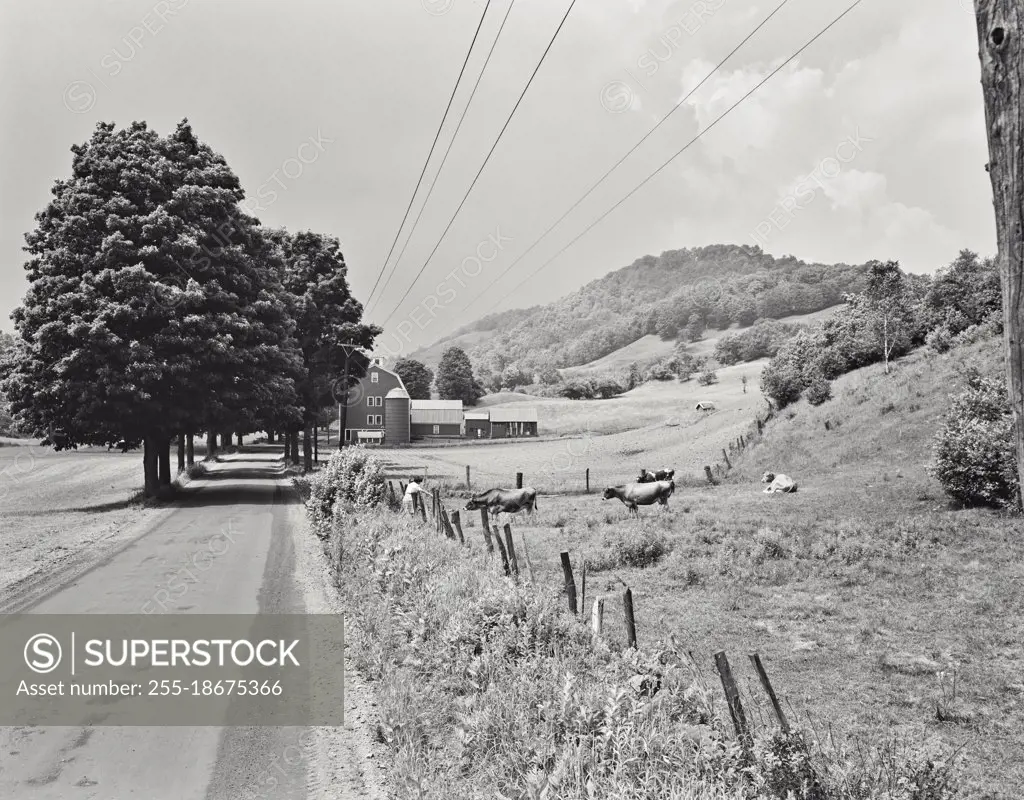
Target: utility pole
1000,30
343,402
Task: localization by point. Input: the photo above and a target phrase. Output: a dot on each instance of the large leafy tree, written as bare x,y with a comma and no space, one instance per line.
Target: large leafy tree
326,315
416,376
152,308
455,379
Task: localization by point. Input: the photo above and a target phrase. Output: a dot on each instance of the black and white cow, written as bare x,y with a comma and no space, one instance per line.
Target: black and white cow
646,476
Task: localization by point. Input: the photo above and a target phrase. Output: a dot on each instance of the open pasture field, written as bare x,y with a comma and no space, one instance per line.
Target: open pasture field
878,609
58,508
653,426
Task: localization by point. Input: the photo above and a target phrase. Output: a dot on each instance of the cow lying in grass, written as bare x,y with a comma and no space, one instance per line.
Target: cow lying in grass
507,501
641,494
646,476
778,484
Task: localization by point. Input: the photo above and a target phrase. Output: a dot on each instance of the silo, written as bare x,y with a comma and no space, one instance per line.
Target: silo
396,417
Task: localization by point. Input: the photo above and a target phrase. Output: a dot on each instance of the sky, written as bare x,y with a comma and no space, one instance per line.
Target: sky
870,144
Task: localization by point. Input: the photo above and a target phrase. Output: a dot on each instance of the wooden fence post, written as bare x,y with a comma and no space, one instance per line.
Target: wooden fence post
597,617
755,659
570,583
588,480
423,507
707,471
526,556
732,696
457,522
519,480
725,455
446,523
487,529
583,588
510,546
391,491
627,605
504,555
467,477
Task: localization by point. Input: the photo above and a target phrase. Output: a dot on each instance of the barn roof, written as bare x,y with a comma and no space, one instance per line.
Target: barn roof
436,405
515,413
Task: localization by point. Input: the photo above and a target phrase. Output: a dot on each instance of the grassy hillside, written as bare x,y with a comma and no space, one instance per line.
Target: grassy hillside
654,296
883,614
649,349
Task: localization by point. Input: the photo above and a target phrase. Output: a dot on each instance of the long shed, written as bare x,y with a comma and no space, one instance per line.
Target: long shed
513,421
436,418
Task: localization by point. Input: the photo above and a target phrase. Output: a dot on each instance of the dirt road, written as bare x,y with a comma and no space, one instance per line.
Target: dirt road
246,524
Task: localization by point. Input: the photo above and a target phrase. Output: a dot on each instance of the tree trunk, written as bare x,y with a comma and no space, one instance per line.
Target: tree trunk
190,450
149,466
1000,32
181,452
211,443
164,469
307,448
239,439
270,437
295,446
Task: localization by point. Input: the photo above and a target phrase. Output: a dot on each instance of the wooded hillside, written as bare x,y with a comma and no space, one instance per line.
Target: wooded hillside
718,284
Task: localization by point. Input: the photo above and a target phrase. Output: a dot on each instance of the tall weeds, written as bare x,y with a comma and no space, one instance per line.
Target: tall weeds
489,688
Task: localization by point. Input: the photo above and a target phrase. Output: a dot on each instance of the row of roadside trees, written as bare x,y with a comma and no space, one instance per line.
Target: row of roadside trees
158,308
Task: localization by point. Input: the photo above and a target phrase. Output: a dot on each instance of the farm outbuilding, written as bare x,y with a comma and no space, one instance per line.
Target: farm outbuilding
513,421
436,418
478,425
704,405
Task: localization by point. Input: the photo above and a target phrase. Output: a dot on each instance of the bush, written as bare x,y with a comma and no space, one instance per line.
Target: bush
974,450
353,478
819,391
636,547
707,377
782,383
940,340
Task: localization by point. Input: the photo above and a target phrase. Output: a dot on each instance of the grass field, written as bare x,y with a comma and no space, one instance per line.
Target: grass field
879,610
654,426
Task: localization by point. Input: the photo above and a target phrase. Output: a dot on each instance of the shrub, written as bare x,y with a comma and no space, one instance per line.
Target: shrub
782,383
940,340
633,547
974,451
819,391
353,477
707,377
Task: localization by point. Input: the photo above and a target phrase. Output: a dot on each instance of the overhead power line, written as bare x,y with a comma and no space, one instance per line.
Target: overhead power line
679,152
482,166
630,152
444,159
437,135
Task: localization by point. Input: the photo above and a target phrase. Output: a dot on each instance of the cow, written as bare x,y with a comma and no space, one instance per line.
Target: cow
778,484
508,501
641,494
646,476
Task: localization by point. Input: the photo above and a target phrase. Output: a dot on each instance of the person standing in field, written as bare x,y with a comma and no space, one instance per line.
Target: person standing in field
410,491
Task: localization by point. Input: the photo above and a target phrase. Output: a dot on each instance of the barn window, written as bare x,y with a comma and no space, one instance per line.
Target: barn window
369,419
374,377
437,429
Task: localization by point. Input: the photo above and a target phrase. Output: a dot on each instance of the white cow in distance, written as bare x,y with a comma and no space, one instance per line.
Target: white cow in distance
778,483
